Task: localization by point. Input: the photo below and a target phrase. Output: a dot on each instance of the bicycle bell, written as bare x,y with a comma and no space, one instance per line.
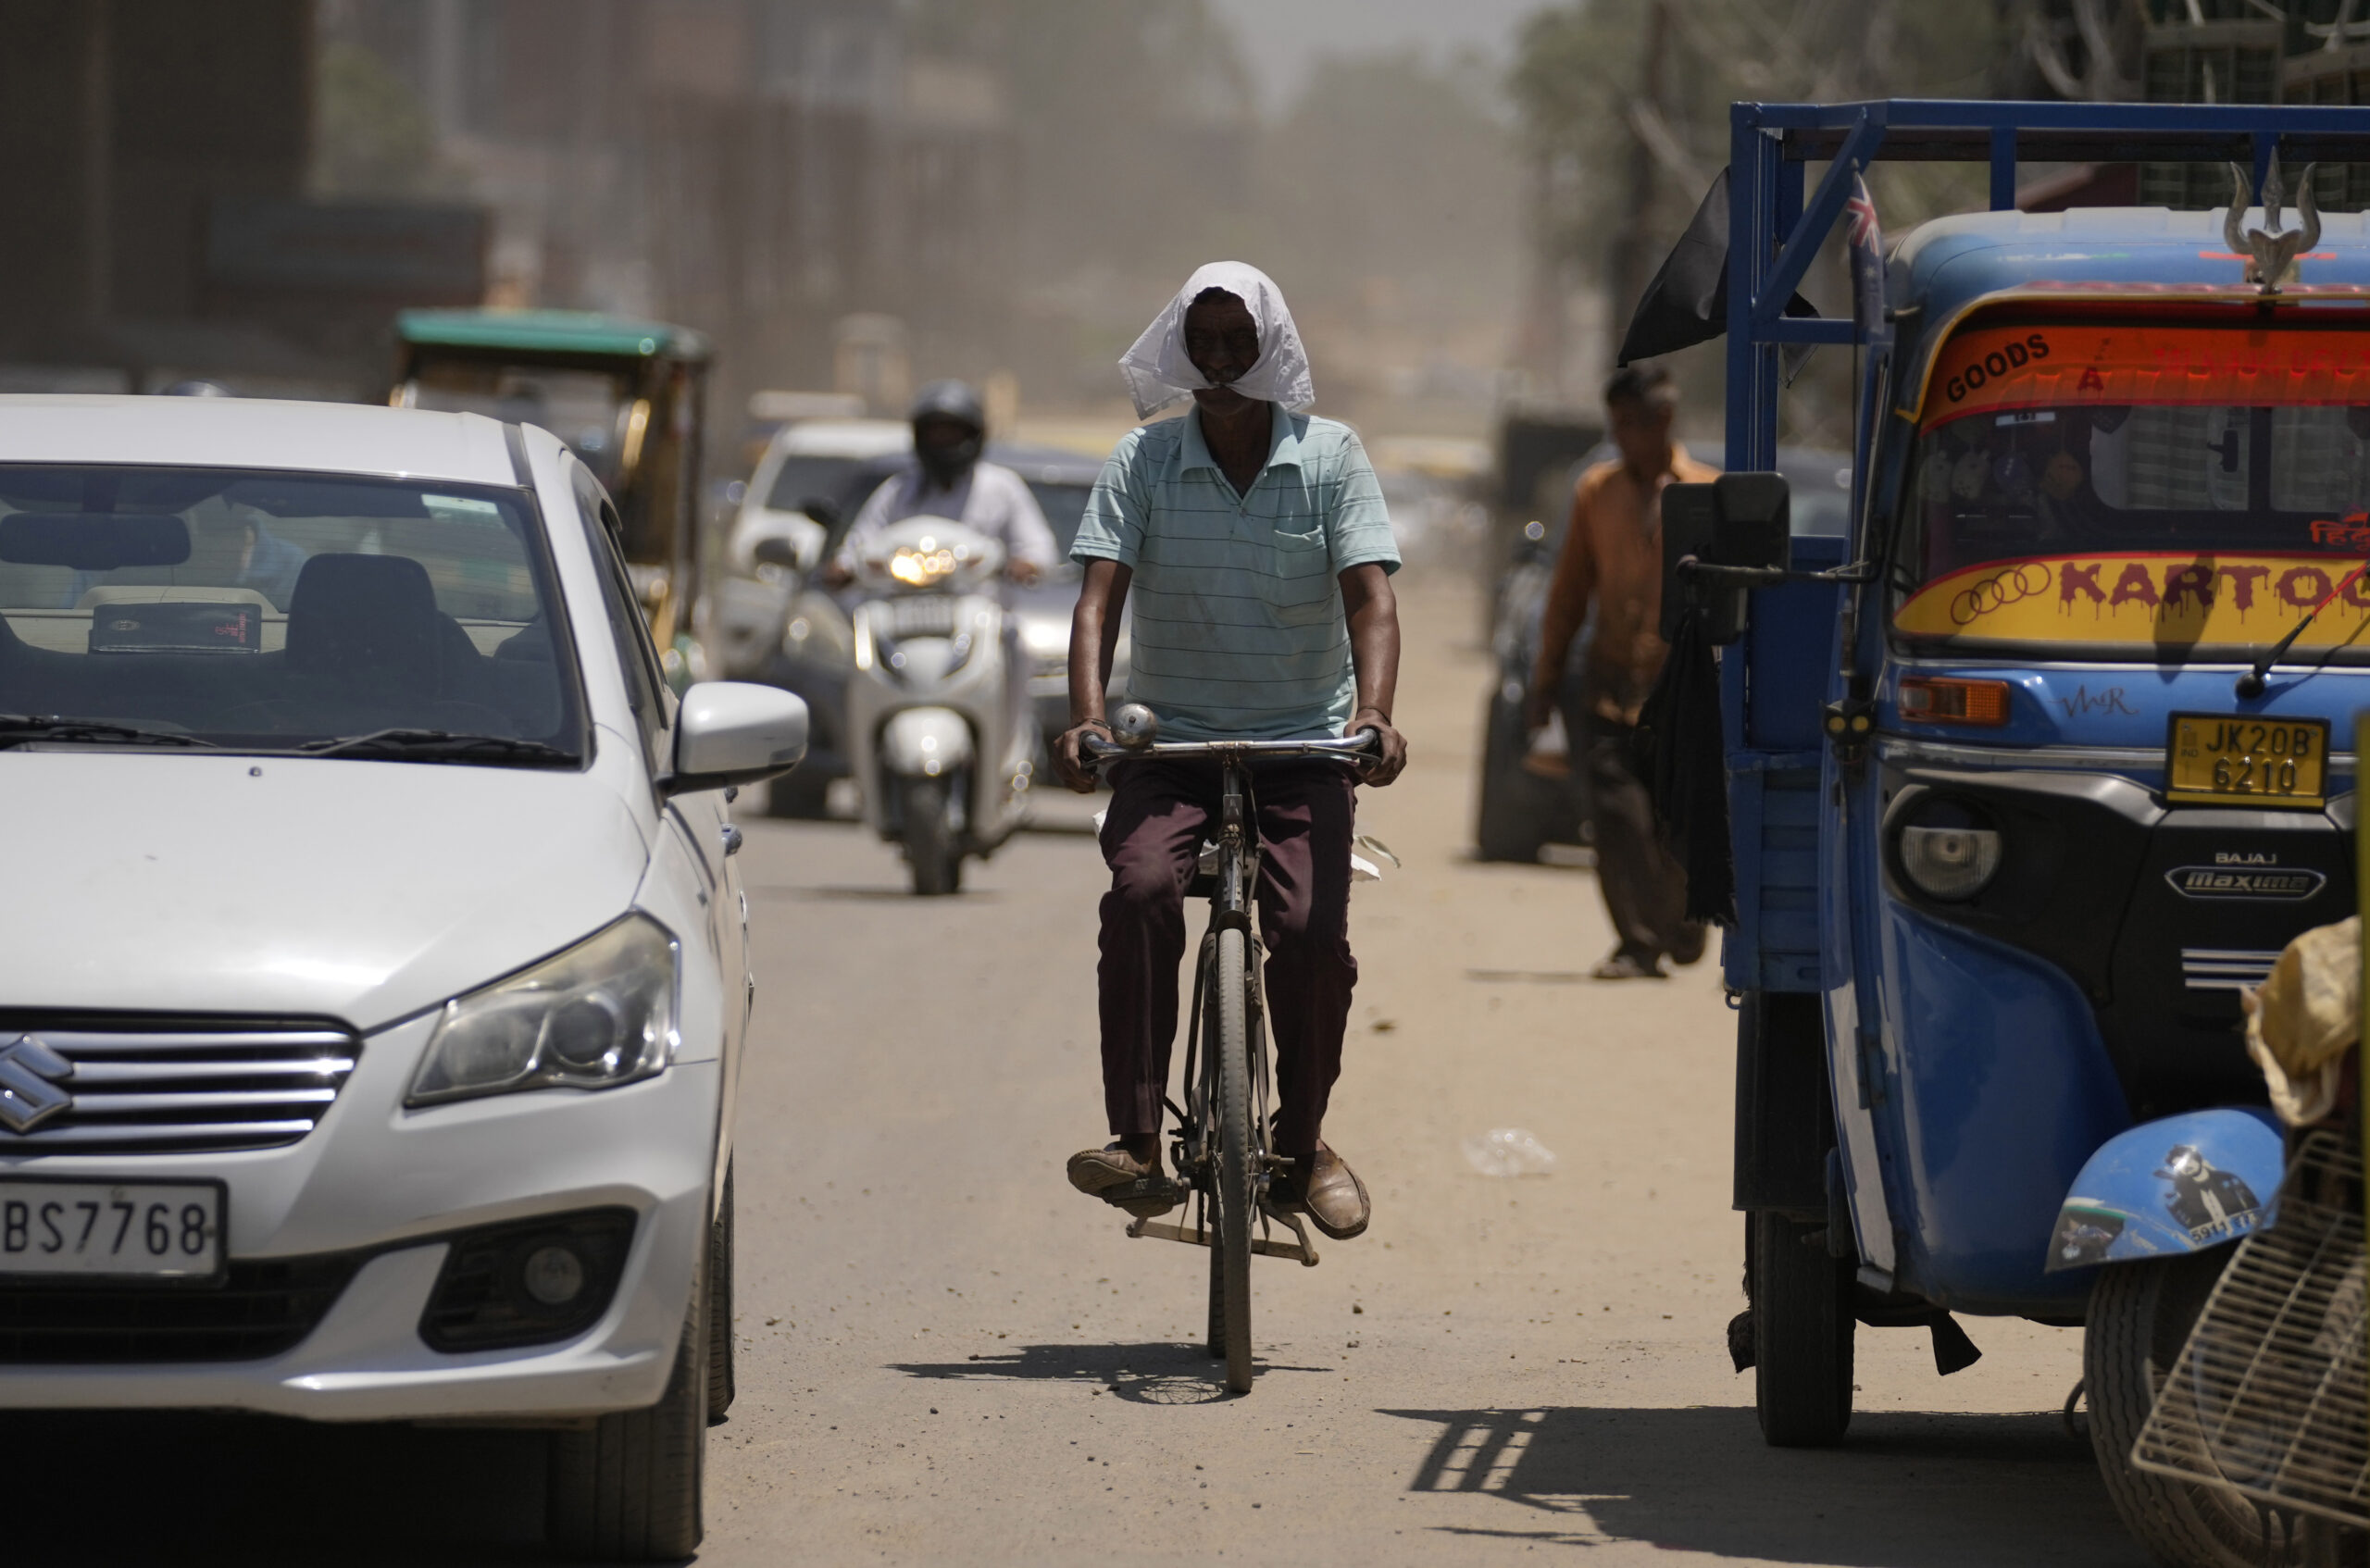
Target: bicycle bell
1135,725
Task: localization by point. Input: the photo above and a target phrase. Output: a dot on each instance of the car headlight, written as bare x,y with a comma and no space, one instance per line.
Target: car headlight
1949,853
600,1015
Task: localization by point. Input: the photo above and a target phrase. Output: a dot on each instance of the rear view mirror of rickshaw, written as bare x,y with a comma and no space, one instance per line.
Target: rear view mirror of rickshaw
1720,539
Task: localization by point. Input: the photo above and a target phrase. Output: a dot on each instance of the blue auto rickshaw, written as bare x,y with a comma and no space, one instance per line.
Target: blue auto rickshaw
2029,776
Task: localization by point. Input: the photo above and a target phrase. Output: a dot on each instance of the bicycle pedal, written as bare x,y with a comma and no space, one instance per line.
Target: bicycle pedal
1146,1196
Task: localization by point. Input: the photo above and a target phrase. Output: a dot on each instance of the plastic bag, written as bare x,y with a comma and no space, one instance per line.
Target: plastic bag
2305,1017
1508,1151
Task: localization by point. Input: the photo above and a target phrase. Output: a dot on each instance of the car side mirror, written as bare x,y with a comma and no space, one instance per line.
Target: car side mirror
824,510
734,732
1743,522
776,550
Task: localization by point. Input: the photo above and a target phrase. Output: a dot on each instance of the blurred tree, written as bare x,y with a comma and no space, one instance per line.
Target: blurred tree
1391,171
1384,199
1134,122
1590,125
373,137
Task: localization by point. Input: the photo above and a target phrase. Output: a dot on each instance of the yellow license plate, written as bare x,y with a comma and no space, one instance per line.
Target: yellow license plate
2221,759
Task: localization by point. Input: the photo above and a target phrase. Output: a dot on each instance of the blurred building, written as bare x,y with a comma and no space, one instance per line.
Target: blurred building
152,164
786,175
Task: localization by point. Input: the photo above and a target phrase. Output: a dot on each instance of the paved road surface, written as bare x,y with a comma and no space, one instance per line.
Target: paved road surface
948,1357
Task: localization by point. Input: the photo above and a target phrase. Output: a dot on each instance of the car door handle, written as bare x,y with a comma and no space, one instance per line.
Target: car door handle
732,839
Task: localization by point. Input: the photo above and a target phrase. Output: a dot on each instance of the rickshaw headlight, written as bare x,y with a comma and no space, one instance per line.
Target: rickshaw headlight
1948,854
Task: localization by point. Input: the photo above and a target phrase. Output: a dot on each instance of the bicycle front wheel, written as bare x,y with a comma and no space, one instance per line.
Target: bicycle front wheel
1229,1055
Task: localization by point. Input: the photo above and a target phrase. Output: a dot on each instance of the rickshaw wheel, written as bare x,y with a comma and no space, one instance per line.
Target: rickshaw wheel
1801,1330
2141,1316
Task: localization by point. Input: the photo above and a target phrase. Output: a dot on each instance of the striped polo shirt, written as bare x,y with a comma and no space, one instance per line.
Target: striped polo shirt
1238,628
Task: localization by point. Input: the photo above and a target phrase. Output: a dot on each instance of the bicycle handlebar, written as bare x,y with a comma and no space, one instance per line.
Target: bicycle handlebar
1365,746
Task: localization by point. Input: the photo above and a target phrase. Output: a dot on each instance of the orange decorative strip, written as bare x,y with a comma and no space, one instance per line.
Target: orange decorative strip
2169,597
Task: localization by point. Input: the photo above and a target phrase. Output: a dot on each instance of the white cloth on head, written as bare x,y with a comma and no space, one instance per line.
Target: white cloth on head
1159,373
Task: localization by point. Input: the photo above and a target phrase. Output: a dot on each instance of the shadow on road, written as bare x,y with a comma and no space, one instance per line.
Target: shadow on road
90,1488
1907,1490
1167,1374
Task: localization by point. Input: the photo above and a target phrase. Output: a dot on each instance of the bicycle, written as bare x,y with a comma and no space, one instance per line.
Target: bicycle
1219,1147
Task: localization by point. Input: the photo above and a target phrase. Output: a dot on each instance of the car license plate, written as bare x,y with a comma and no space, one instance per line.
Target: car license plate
67,1229
2219,759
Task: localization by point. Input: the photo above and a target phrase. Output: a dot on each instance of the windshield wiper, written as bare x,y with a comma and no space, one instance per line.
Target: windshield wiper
17,730
2250,683
439,745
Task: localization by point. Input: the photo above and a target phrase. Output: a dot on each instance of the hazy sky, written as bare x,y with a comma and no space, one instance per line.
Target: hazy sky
1281,37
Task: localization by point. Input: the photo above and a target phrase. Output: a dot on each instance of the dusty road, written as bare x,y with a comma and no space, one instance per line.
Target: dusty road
948,1357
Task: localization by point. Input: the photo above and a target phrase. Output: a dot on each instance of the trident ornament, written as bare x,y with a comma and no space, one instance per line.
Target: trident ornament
2272,257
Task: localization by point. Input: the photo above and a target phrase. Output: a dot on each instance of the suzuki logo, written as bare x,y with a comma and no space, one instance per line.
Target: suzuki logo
2223,882
29,1074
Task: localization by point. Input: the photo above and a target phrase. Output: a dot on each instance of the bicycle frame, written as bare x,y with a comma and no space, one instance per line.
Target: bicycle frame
1234,889
1237,884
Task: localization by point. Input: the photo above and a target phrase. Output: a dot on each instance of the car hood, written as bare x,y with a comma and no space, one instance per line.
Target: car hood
361,890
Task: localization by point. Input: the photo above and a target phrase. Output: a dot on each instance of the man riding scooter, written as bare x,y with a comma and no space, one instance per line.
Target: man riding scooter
938,710
946,479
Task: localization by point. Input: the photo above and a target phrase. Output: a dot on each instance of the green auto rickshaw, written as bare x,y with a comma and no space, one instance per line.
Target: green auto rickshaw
627,396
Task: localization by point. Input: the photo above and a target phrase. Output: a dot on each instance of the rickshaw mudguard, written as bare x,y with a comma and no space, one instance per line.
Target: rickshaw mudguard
2178,1185
1987,1087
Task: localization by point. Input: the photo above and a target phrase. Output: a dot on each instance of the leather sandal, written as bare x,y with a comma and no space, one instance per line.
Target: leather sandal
1329,1192
1121,1179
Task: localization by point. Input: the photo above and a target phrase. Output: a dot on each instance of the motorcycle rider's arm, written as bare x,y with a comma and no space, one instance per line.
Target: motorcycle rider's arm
1031,550
870,518
1094,641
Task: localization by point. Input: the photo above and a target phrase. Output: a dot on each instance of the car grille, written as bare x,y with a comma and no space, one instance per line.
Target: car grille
143,1085
265,1306
2226,968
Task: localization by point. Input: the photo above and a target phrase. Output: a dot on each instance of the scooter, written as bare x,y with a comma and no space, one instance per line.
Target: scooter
938,723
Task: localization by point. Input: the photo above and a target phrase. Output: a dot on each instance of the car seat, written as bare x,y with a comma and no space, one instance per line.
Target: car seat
368,622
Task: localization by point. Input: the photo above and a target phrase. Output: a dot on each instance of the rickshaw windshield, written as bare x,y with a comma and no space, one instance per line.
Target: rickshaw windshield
2132,482
595,412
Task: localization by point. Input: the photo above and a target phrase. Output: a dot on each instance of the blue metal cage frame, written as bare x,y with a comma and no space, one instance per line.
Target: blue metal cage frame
1774,233
1772,687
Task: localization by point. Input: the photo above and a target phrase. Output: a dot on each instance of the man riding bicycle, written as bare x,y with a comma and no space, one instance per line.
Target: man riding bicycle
1258,547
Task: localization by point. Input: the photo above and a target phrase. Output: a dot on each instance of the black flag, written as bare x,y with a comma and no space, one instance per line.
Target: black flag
1687,301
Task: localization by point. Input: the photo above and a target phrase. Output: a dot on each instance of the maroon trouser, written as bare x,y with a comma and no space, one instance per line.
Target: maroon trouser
1160,814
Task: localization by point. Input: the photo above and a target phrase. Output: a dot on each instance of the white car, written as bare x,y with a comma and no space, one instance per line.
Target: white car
830,459
373,980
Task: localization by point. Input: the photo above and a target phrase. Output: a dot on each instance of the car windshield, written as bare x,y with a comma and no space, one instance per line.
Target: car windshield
269,610
835,479
2137,484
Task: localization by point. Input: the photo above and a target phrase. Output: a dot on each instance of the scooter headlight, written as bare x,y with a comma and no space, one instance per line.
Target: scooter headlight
1950,852
599,1014
922,567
